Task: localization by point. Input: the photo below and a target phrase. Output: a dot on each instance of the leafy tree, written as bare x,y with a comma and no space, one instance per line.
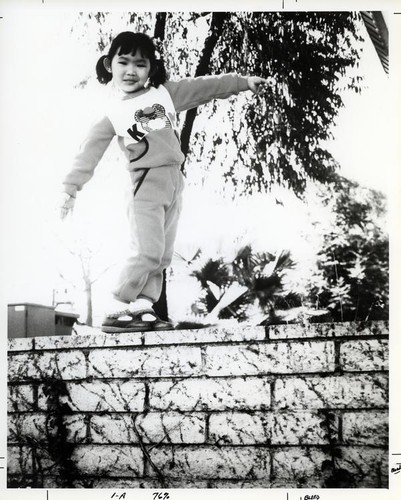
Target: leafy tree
279,136
352,280
252,279
214,274
262,274
307,55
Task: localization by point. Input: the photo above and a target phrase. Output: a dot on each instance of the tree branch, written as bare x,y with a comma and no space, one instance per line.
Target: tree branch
203,68
160,25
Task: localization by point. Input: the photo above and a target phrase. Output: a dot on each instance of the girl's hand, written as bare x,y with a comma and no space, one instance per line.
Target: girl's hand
66,205
254,83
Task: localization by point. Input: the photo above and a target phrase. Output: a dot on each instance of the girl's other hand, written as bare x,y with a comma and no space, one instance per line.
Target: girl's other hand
66,205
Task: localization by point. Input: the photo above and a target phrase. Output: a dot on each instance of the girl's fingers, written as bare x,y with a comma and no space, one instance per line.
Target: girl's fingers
66,205
65,211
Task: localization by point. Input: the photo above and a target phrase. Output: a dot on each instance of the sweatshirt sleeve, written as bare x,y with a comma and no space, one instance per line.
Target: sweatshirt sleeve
191,92
90,153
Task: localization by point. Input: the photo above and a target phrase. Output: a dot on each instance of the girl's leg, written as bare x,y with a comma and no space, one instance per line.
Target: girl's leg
154,282
152,212
153,215
146,250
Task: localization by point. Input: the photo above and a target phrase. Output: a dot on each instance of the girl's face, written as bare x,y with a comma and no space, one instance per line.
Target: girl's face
130,72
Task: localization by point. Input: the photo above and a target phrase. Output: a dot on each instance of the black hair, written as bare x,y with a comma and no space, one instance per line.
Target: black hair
128,42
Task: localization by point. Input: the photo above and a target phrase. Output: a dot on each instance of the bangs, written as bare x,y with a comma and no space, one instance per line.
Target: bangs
131,43
132,50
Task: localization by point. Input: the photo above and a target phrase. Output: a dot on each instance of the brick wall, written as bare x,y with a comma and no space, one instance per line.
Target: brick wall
286,406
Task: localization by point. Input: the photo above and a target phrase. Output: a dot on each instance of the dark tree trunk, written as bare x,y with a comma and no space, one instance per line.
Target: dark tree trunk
203,68
160,25
89,304
160,306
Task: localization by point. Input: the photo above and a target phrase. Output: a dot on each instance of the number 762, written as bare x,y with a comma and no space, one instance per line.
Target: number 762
161,496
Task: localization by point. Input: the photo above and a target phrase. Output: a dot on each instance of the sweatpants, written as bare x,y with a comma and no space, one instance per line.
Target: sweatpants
153,211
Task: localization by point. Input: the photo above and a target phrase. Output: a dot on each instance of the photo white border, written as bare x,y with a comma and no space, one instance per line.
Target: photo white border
394,491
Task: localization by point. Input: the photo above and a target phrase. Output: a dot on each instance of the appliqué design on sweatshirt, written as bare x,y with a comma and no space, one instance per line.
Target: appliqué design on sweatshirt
150,119
153,118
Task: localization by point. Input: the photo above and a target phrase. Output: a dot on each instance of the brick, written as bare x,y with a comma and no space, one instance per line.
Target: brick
289,428
25,344
364,355
368,466
151,362
152,427
19,460
29,425
107,429
144,483
360,328
240,428
239,484
300,428
62,365
202,394
23,481
212,462
97,339
256,483
59,482
301,467
259,359
112,483
100,396
100,461
172,427
366,428
20,398
33,426
328,330
108,460
347,391
206,335
299,331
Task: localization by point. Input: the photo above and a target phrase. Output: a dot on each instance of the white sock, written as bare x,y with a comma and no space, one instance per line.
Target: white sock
115,307
141,304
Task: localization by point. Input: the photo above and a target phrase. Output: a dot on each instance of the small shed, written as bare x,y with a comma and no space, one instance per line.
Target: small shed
37,320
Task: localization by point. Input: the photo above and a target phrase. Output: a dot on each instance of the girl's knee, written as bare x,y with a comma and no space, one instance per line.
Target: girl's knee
152,261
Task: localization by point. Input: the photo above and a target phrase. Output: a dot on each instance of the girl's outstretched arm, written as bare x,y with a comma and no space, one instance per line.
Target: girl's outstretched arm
192,92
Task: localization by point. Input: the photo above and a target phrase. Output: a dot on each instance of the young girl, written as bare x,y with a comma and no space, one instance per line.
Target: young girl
142,114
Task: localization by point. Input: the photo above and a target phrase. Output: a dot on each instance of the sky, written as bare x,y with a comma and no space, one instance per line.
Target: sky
363,140
44,118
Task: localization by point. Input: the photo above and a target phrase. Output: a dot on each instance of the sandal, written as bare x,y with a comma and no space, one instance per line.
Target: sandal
113,324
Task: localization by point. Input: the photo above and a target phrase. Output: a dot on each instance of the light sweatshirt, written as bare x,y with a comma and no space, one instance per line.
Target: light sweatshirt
145,125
